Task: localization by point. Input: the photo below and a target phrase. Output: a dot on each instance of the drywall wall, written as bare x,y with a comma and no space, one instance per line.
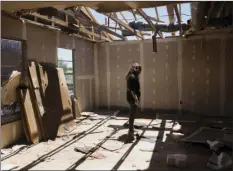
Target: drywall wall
42,46
193,71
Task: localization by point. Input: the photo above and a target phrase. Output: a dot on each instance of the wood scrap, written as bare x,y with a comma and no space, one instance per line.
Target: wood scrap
9,88
28,113
76,108
36,94
57,103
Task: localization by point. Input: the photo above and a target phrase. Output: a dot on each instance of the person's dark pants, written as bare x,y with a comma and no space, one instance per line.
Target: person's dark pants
133,112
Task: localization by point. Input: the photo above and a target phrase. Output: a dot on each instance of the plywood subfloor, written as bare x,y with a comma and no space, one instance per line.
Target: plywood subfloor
143,154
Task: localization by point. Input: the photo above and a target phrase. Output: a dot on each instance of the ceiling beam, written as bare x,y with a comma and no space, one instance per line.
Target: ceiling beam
151,18
143,14
220,9
124,25
170,11
180,11
104,28
65,24
115,15
177,16
209,13
87,12
127,22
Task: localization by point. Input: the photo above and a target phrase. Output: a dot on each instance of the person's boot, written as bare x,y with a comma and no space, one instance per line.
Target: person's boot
130,138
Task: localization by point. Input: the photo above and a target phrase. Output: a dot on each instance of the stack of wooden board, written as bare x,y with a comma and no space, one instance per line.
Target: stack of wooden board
47,107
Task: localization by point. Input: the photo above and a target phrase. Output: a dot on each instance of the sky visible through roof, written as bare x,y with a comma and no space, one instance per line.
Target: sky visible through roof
65,54
163,15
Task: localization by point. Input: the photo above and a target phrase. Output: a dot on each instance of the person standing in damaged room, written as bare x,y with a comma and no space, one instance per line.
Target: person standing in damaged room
133,97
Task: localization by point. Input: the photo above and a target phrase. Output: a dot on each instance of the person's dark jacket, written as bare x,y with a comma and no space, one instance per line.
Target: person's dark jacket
134,86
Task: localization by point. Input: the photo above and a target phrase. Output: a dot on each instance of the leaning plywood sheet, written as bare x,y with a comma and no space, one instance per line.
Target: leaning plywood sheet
8,93
29,115
67,120
34,85
57,103
43,79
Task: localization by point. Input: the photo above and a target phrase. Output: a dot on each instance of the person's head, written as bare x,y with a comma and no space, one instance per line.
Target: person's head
136,68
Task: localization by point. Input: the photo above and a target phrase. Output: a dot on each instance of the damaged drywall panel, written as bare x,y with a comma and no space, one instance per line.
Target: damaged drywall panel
11,28
41,44
229,81
121,58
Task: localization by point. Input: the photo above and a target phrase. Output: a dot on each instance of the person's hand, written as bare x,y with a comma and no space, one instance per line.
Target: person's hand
136,101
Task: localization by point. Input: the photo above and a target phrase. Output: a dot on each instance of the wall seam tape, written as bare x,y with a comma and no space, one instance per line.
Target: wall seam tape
222,74
142,76
24,31
58,44
91,101
179,72
108,75
96,75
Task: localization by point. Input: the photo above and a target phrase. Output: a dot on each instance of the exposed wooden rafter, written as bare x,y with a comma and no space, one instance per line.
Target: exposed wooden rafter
143,14
66,24
88,13
127,22
180,11
81,20
209,13
151,18
115,15
177,16
124,25
170,11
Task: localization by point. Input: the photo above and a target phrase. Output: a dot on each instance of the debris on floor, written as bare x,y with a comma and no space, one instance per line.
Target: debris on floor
84,150
177,160
176,127
215,145
97,155
221,161
112,146
7,151
149,149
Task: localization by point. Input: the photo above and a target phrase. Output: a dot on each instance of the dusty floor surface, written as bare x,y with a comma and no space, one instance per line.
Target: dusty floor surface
103,137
